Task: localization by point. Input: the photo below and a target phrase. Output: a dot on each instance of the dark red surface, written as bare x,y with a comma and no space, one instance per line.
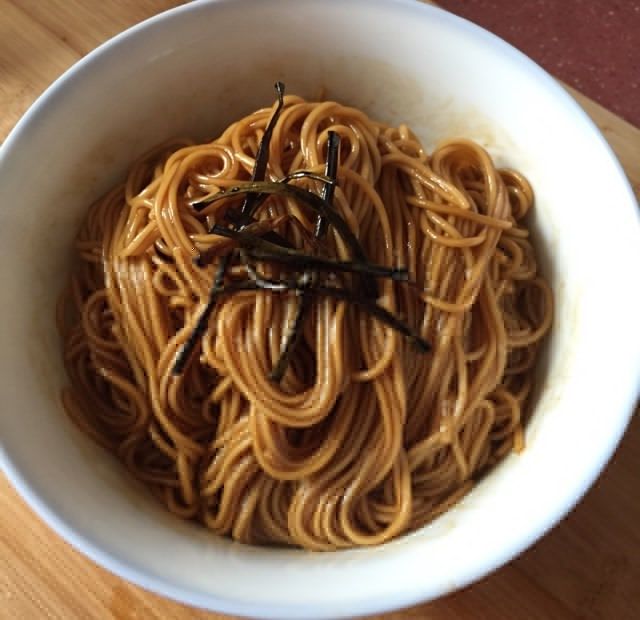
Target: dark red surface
593,45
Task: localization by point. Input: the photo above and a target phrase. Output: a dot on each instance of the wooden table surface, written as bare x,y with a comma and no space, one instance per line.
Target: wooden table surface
587,567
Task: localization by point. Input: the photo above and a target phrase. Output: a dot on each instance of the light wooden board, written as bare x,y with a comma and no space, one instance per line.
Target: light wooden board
587,567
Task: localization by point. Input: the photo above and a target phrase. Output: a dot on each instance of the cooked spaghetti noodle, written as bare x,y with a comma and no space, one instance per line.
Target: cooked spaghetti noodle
364,438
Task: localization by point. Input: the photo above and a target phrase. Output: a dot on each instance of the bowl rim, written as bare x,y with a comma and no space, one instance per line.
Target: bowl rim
159,585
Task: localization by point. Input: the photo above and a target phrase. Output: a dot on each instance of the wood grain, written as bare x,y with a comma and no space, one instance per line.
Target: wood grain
588,567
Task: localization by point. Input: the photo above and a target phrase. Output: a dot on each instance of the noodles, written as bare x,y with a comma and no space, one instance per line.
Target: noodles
364,437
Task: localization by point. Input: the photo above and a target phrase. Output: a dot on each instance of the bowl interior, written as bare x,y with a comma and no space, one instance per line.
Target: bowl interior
193,71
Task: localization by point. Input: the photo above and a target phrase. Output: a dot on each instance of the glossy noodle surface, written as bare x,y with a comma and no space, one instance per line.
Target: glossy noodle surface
364,437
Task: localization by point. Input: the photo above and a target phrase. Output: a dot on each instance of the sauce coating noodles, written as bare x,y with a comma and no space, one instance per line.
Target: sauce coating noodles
364,438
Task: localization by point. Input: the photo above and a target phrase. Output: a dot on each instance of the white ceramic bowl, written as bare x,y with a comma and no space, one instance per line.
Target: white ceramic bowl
193,70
